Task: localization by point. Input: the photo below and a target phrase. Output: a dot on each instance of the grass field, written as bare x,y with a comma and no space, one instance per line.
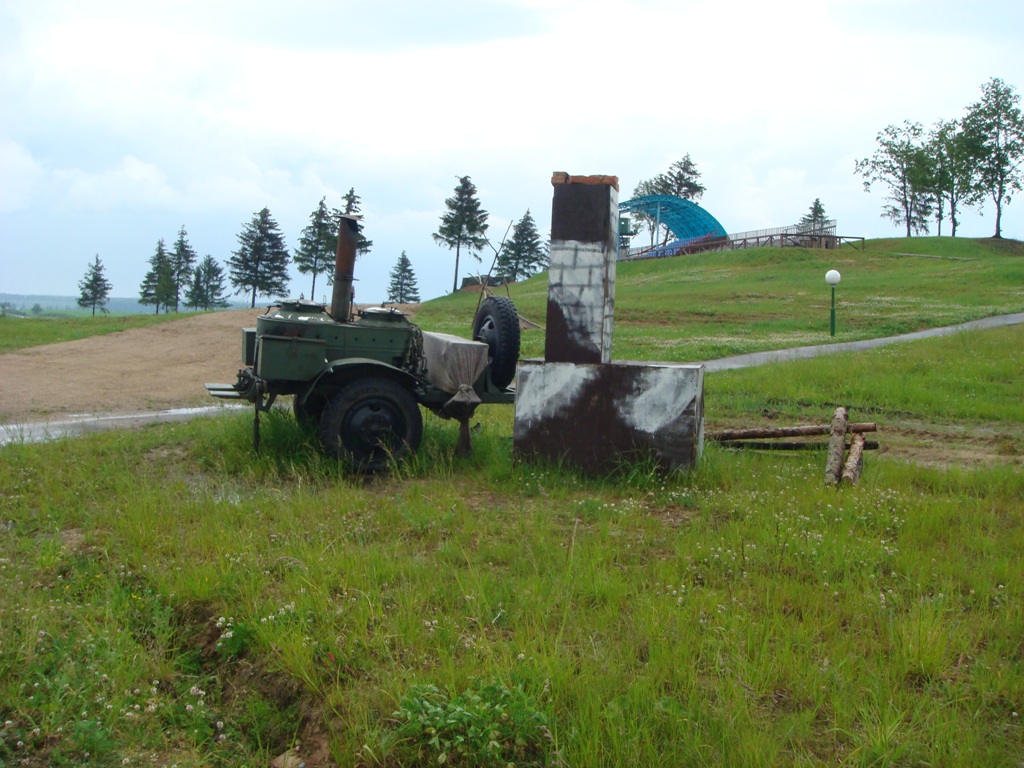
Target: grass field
22,332
171,598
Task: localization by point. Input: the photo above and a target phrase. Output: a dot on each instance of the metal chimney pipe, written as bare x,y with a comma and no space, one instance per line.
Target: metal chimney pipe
344,267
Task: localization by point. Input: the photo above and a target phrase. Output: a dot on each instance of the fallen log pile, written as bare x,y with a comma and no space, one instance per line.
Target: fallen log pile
836,470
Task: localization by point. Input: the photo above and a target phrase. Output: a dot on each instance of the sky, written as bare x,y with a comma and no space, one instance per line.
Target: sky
122,121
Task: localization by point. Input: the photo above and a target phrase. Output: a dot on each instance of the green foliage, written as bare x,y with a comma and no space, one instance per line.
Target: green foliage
158,287
525,254
463,224
901,164
680,180
815,217
997,122
486,725
260,265
402,288
94,287
182,265
315,253
207,290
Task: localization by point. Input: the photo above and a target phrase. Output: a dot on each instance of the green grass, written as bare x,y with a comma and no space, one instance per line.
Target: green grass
22,332
712,305
161,582
167,596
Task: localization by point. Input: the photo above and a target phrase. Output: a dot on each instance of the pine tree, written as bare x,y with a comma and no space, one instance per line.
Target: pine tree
524,254
815,218
315,254
402,289
352,208
464,224
95,287
260,265
681,180
207,290
158,285
183,259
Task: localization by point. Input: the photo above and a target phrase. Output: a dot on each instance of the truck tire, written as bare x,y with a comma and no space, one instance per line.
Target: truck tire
497,325
370,423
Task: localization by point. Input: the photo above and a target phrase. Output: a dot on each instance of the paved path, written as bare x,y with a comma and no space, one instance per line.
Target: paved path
30,433
801,353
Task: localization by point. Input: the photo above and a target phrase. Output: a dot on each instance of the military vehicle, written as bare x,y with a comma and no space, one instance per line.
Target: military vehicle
360,377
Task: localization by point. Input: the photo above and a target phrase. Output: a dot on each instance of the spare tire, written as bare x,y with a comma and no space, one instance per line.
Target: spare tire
497,325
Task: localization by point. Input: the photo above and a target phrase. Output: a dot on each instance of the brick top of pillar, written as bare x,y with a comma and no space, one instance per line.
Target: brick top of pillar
561,177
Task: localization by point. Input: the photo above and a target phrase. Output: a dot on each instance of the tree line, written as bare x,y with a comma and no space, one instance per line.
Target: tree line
176,276
964,162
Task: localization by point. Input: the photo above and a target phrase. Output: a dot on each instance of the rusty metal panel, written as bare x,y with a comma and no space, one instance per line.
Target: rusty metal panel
596,417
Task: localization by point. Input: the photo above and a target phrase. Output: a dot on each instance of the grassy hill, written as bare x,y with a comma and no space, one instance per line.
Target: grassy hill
168,596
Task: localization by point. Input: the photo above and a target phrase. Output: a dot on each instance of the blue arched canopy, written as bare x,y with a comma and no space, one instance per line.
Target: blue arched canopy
686,220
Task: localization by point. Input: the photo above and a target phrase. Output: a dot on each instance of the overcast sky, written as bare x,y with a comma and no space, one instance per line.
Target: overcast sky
121,121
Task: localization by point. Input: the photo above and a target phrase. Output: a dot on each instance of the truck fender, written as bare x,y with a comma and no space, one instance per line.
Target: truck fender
338,372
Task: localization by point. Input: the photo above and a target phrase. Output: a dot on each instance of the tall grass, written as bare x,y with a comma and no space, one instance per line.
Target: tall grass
172,597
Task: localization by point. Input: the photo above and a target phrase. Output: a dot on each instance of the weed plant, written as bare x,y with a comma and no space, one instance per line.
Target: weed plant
172,597
168,596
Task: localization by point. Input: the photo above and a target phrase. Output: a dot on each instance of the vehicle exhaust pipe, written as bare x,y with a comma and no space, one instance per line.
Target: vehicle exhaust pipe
344,267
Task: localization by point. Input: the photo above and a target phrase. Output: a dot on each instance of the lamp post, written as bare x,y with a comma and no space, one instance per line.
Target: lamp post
832,278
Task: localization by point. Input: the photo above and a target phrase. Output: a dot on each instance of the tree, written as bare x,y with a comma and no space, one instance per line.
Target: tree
183,259
525,253
402,288
901,164
464,224
260,265
37,309
207,290
352,208
815,218
953,156
681,180
158,285
95,287
319,240
997,124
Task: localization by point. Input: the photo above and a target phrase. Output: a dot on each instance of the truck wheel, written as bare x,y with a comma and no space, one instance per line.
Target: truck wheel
497,325
371,422
308,413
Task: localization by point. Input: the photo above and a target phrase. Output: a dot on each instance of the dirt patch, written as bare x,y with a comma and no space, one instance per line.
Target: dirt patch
141,369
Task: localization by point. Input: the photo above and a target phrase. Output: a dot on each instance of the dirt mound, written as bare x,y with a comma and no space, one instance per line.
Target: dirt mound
142,369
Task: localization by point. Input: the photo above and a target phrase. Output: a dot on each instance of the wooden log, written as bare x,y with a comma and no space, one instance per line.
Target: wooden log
788,445
854,461
836,445
809,430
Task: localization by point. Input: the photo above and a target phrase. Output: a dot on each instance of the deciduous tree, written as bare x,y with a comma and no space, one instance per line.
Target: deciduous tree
260,265
403,289
94,287
953,157
901,164
997,124
463,225
525,253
